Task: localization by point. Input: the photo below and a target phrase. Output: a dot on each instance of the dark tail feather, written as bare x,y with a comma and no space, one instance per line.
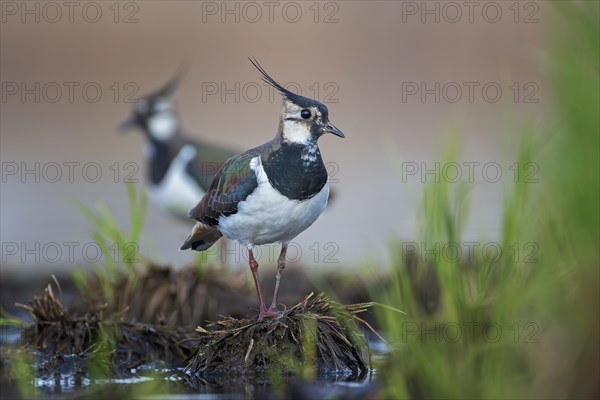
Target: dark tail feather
202,237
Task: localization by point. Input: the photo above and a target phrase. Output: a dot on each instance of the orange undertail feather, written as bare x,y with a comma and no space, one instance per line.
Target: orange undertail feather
203,236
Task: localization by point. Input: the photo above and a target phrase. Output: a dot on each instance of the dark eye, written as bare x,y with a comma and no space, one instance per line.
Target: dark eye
305,114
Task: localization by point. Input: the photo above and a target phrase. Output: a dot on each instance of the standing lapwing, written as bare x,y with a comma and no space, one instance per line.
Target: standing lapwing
272,192
180,169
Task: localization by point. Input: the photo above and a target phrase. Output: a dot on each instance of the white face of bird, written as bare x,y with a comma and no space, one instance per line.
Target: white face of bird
163,126
304,123
161,118
300,124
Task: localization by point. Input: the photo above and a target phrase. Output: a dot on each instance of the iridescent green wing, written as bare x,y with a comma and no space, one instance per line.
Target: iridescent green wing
232,184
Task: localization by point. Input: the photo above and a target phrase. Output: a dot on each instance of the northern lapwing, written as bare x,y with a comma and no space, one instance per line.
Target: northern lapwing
179,168
272,192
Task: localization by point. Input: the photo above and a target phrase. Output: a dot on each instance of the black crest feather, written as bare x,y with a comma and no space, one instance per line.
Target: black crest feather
295,98
169,88
268,79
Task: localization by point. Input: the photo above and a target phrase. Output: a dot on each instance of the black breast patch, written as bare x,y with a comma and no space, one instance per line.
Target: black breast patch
296,170
164,154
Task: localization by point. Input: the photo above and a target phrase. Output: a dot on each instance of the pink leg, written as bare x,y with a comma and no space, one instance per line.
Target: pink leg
261,304
280,267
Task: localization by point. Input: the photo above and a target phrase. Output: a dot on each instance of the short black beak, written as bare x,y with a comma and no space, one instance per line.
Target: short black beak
331,128
129,123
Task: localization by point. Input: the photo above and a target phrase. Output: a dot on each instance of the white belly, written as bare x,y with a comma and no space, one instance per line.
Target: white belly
267,216
177,192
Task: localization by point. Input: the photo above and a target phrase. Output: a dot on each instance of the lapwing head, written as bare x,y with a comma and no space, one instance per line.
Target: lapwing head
155,114
302,120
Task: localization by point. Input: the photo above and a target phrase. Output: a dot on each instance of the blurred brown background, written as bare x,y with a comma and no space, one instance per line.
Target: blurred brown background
370,51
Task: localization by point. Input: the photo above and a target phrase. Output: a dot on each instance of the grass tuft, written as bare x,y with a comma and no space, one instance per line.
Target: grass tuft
107,345
313,338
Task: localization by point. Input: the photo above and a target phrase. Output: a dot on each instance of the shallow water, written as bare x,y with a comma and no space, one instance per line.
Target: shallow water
68,378
173,383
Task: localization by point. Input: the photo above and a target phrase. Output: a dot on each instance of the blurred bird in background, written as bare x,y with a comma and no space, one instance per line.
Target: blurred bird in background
179,168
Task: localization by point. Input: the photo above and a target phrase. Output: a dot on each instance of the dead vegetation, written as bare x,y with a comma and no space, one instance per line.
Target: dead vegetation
179,297
316,336
113,344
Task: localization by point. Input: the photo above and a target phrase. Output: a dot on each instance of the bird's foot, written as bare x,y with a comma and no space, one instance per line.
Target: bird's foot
274,308
270,313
